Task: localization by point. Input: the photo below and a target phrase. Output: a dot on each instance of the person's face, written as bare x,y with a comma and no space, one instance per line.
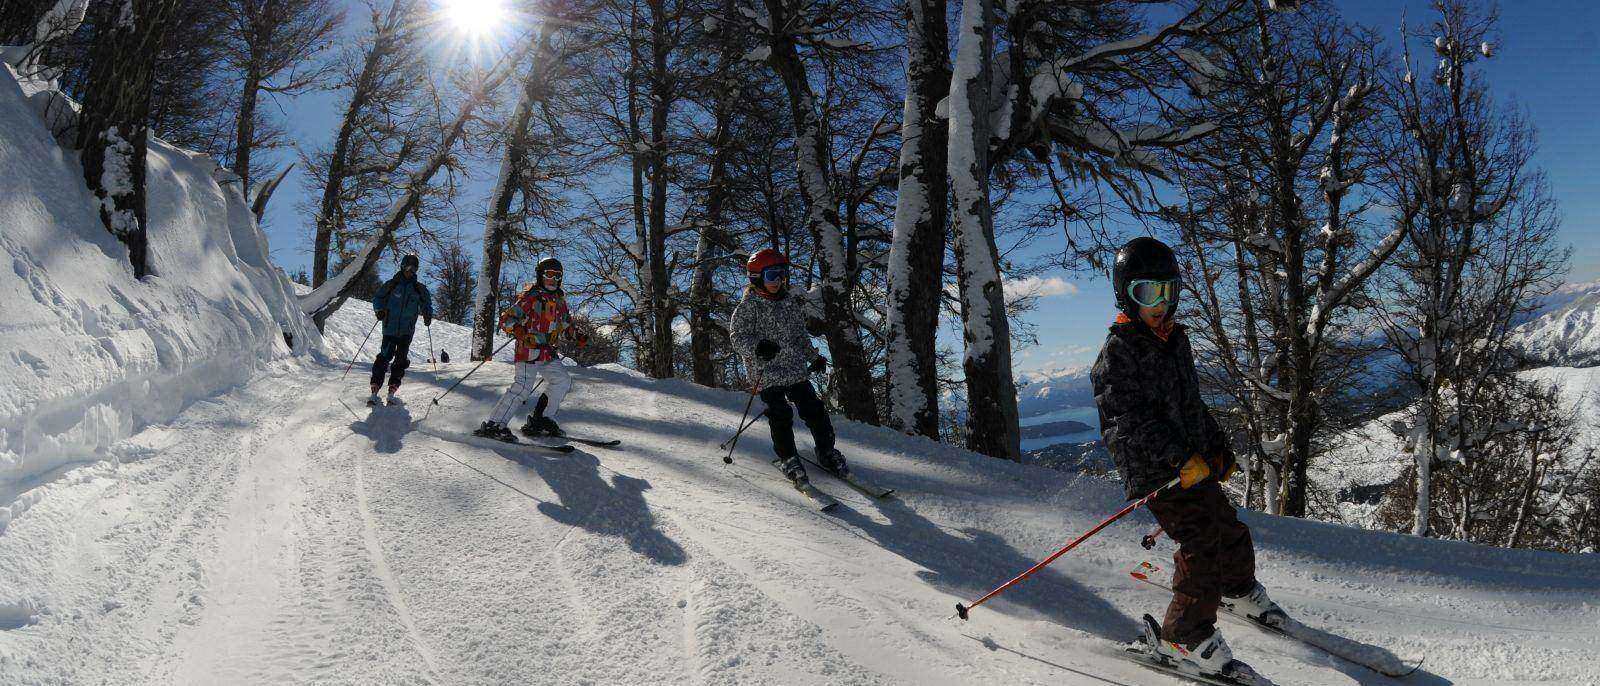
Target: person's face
1152,316
774,278
410,271
552,280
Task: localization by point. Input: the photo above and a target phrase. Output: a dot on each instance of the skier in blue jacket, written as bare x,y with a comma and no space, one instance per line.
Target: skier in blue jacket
397,304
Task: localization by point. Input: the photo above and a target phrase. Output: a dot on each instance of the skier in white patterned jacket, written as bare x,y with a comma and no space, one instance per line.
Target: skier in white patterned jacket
769,332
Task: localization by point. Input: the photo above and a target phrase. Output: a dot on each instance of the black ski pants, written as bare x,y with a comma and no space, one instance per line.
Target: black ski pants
780,417
393,358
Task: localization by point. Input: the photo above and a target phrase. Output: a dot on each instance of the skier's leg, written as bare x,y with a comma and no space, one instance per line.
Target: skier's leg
811,411
1236,554
780,421
401,360
520,387
1196,583
380,364
557,383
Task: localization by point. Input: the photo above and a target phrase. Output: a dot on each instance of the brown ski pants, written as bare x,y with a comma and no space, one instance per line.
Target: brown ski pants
1215,558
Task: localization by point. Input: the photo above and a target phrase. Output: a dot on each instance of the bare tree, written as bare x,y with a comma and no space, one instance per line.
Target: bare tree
113,129
271,47
377,130
453,277
1480,226
326,299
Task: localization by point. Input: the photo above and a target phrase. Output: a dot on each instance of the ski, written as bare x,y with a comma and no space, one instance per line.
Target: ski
824,502
1241,674
395,401
1375,658
855,481
597,442
492,443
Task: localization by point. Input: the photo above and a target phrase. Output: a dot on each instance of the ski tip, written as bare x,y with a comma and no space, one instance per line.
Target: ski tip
961,611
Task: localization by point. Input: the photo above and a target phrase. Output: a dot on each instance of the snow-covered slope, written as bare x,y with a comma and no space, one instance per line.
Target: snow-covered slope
270,535
89,354
1566,332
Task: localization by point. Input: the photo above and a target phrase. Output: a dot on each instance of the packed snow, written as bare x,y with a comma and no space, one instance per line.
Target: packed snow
272,534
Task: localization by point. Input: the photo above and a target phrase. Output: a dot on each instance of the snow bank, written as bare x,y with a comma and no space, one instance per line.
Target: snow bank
91,354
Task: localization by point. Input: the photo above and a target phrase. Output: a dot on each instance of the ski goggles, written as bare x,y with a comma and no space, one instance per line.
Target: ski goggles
1152,292
552,275
773,274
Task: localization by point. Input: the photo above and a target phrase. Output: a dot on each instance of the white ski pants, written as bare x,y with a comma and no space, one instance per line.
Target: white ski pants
556,385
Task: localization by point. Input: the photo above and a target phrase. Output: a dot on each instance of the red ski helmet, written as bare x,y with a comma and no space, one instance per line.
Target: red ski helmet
761,261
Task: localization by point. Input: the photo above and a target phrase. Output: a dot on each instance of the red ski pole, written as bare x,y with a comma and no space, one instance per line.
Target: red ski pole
962,610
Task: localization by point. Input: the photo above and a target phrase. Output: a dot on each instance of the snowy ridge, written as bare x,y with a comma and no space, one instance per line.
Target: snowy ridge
89,353
1565,331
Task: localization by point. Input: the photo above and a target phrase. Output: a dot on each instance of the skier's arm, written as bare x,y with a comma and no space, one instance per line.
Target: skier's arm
380,298
1131,426
744,336
427,304
1217,446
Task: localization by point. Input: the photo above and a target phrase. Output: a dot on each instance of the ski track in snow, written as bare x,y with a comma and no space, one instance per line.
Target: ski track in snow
272,536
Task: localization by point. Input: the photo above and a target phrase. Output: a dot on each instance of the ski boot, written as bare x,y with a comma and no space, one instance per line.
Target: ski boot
495,430
1257,607
833,461
540,426
373,400
792,468
1211,657
394,399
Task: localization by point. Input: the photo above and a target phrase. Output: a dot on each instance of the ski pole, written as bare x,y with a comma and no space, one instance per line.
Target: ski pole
962,610
431,357
474,369
358,350
728,459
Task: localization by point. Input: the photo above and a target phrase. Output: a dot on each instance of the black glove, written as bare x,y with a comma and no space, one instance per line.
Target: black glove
818,365
381,314
766,350
427,320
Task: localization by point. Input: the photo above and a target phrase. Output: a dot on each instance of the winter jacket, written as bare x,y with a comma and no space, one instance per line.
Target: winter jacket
781,320
537,319
1151,414
402,300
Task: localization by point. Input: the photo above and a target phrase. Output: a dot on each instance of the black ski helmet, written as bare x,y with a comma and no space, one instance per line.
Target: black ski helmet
544,265
1141,258
410,260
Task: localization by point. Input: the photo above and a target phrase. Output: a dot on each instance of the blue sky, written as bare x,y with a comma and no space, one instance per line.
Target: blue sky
1547,62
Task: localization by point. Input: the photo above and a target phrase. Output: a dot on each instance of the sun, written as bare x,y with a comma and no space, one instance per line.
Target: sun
475,17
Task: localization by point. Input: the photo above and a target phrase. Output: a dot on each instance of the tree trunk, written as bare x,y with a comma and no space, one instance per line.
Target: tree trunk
851,376
991,391
916,254
327,212
113,128
708,251
486,295
659,292
245,130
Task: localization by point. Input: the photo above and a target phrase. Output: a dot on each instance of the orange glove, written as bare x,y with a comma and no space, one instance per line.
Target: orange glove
1194,471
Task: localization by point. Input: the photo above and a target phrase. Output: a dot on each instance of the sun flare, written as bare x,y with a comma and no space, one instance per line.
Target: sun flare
475,17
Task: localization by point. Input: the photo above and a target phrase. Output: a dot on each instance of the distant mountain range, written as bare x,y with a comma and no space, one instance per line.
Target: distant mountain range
1052,391
1563,333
